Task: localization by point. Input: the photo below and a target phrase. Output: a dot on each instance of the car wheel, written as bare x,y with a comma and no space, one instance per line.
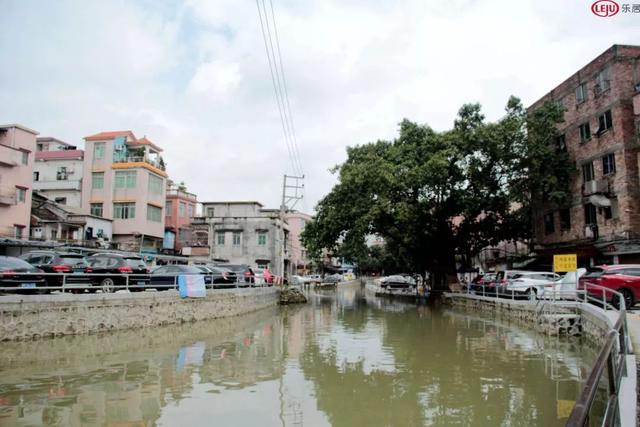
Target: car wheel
629,300
108,285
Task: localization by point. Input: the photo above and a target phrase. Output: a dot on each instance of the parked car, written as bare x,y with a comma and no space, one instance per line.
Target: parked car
241,270
332,278
623,278
221,275
166,276
71,264
527,282
118,268
395,282
565,287
481,284
19,274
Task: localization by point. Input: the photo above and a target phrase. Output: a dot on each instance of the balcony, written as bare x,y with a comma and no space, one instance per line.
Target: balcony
57,185
8,196
182,194
9,156
198,220
156,163
600,186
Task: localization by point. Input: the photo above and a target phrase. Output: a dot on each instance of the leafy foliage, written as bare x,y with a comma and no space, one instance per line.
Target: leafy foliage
432,195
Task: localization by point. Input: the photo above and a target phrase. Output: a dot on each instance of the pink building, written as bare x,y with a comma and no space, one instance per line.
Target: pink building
180,207
125,180
297,253
17,148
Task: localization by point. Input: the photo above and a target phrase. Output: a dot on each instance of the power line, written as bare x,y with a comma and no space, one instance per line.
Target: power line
274,69
286,93
275,83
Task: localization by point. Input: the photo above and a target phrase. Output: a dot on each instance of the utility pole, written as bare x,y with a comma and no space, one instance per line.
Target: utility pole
291,193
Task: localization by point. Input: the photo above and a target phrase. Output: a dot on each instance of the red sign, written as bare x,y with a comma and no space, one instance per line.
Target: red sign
605,8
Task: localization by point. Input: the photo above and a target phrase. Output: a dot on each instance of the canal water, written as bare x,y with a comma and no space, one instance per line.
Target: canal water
345,359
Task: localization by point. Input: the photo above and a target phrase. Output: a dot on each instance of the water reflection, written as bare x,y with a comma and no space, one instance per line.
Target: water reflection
346,359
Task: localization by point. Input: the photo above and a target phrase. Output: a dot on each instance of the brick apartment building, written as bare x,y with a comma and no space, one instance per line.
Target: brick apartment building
601,135
180,207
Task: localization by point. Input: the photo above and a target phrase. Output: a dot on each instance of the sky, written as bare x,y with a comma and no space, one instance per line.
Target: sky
193,76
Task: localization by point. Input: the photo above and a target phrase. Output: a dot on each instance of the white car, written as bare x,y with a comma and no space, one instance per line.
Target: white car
530,281
566,287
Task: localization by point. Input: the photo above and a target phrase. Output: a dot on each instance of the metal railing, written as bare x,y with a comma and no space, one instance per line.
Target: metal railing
611,358
73,282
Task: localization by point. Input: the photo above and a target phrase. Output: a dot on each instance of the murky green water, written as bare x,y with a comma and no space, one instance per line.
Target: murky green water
347,359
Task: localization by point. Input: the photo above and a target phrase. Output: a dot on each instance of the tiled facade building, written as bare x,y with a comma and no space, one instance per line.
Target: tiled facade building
601,135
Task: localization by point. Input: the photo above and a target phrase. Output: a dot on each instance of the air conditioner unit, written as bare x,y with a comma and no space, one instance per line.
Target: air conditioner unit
70,170
590,187
588,232
602,186
118,147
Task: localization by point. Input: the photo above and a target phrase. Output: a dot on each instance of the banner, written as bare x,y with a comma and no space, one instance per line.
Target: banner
191,286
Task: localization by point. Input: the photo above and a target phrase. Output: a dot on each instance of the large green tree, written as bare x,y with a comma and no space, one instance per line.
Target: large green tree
432,195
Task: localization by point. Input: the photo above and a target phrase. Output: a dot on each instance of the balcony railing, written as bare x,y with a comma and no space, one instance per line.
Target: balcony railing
181,193
198,220
155,163
57,185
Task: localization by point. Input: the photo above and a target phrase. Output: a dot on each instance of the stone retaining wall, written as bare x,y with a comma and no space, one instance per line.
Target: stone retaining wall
35,316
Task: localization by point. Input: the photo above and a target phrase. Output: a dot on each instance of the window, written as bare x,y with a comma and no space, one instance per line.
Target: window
611,212
220,238
602,81
581,93
98,150
565,219
54,234
211,212
126,179
36,176
21,194
124,210
155,184
609,164
25,157
168,207
585,132
237,237
587,172
61,174
18,231
190,211
154,213
182,208
549,226
590,214
96,209
604,122
97,180
61,200
262,238
561,144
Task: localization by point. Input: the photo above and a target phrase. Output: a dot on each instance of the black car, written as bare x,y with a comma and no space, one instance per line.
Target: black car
112,271
166,276
221,275
19,274
72,266
241,270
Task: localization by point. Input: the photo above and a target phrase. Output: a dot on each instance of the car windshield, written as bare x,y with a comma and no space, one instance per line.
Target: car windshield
190,269
203,269
72,260
595,272
14,263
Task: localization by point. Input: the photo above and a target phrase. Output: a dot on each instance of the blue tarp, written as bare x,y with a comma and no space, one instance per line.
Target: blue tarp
191,286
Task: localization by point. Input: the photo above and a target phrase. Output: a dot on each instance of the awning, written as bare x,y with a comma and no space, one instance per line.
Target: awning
599,201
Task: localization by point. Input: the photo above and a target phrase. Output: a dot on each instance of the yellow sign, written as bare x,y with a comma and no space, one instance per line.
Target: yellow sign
565,263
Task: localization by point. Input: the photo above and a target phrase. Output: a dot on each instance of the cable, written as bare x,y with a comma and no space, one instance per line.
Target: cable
282,112
286,93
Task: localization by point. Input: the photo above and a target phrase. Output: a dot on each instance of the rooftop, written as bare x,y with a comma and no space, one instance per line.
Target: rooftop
234,203
52,139
15,125
60,155
107,135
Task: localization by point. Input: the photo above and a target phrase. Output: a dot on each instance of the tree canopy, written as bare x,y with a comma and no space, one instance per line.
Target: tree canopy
431,195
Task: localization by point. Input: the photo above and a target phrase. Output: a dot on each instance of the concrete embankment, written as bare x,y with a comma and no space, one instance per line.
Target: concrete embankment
36,316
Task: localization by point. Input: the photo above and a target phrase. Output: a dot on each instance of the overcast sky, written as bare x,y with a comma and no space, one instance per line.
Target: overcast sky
193,76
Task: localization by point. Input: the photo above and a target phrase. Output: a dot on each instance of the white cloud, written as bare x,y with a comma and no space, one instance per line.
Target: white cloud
193,76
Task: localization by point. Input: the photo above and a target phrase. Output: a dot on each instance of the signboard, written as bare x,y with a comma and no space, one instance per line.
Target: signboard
565,263
191,286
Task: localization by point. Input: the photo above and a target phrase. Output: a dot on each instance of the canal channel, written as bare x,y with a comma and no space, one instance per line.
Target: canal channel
345,359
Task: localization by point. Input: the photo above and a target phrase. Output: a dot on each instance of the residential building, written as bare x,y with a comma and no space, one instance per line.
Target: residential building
300,262
17,148
180,207
125,180
600,132
57,172
246,233
54,222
